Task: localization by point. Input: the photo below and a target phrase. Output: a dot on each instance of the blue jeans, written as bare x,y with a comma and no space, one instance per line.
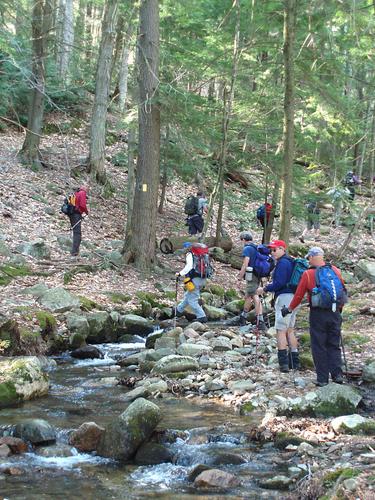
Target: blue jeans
191,299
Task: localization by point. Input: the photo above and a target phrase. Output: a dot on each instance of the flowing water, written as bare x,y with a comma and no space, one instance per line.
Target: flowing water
82,391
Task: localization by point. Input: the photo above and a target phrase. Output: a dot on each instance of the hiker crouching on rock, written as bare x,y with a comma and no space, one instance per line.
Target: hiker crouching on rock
77,216
249,254
327,295
283,295
192,287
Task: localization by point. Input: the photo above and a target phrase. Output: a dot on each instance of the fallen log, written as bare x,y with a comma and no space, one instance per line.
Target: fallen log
173,243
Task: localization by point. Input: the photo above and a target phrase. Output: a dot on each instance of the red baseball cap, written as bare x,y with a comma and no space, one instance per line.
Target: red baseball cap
277,244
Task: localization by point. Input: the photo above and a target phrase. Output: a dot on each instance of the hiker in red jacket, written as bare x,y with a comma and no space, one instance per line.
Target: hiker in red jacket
77,216
325,323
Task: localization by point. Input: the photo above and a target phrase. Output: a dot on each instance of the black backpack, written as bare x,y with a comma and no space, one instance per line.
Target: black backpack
312,207
69,204
191,205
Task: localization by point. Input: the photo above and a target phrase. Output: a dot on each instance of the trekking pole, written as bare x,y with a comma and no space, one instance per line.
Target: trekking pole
256,340
175,304
344,355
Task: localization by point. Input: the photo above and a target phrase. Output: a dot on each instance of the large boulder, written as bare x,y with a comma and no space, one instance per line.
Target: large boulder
35,430
366,269
102,328
128,431
193,350
10,332
368,374
216,478
87,437
77,324
215,313
136,325
352,424
36,248
153,454
87,352
58,300
21,379
36,290
175,364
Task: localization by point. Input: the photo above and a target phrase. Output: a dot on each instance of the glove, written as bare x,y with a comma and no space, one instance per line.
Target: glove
285,311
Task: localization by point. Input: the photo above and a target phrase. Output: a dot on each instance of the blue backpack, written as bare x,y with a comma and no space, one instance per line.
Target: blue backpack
261,212
263,263
329,292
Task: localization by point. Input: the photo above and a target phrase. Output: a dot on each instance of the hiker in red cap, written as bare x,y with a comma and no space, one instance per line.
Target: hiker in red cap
283,295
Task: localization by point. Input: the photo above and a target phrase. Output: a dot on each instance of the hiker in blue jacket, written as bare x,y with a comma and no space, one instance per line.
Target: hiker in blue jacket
283,295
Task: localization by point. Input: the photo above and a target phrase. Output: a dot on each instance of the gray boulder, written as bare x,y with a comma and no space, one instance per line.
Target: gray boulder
77,323
175,364
221,343
35,430
87,352
234,306
349,423
215,313
193,350
64,242
36,290
153,454
151,338
368,374
59,300
4,250
365,269
102,328
216,478
128,431
36,248
136,325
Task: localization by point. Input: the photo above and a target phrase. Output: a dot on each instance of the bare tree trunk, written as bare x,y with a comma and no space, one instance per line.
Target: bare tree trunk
131,178
274,202
140,248
96,162
89,30
41,24
372,154
164,179
66,38
287,176
124,64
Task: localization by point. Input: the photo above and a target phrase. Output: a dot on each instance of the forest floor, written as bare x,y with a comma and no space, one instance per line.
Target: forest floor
26,194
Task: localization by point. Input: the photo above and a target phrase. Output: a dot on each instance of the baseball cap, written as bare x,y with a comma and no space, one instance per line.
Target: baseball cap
187,244
314,251
277,244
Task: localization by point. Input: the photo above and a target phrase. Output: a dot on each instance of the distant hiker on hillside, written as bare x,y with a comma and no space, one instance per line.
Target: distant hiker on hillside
351,181
327,295
264,213
195,207
76,217
312,220
250,254
196,271
283,295
340,201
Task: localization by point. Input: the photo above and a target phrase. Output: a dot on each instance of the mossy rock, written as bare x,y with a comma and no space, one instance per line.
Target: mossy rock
118,297
9,272
247,408
215,289
87,304
77,340
231,294
47,323
283,439
331,478
8,394
306,360
151,298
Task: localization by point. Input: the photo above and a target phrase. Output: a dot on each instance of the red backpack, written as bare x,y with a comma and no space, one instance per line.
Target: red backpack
202,267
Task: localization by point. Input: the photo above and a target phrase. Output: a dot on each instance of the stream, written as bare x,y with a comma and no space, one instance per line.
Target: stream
76,395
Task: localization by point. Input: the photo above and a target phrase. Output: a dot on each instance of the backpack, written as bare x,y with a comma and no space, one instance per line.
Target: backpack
191,205
261,212
329,291
202,267
263,264
68,206
312,207
299,267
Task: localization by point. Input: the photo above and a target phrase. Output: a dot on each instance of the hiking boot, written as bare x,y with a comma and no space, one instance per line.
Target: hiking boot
320,384
294,360
262,327
203,319
282,356
243,320
179,314
339,379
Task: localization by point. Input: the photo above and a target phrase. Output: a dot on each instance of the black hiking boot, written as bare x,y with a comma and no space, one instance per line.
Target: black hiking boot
178,314
262,327
203,319
294,363
282,355
338,379
243,320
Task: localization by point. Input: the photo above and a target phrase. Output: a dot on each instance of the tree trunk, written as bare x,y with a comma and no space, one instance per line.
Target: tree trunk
287,176
164,179
274,202
66,38
41,24
96,163
131,177
140,248
88,37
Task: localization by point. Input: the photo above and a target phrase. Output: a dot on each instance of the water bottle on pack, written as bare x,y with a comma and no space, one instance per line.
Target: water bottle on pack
249,274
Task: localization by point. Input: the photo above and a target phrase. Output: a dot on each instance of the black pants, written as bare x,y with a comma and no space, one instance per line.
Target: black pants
195,223
325,333
76,223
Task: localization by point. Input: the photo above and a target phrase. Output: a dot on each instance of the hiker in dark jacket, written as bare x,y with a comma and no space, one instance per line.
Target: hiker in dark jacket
77,216
283,295
325,324
195,222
